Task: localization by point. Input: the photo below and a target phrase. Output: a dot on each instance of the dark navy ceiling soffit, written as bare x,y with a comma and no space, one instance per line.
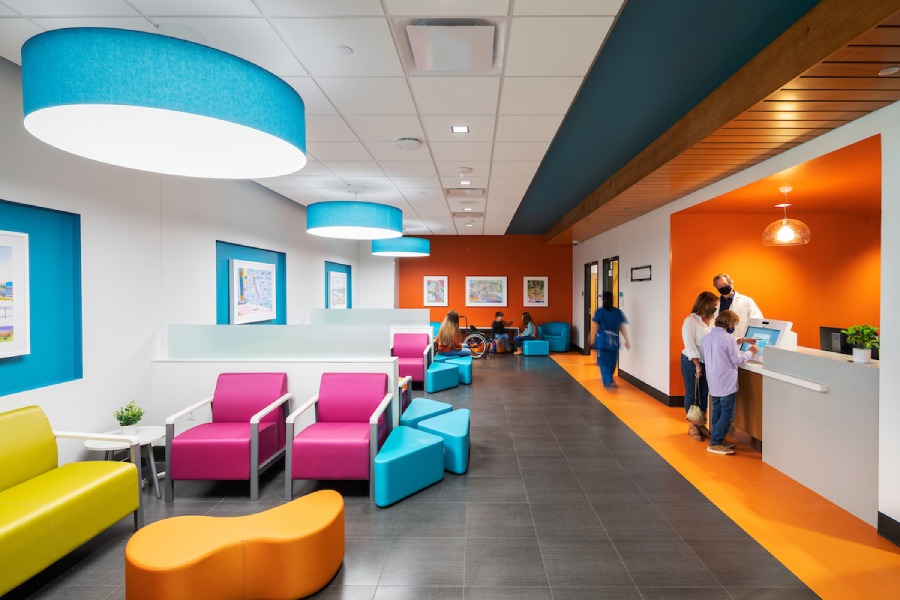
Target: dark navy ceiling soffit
661,59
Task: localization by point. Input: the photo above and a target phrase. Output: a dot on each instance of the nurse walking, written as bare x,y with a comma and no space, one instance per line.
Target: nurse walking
607,329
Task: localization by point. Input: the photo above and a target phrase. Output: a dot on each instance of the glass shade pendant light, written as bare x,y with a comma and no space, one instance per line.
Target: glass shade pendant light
160,104
786,232
406,247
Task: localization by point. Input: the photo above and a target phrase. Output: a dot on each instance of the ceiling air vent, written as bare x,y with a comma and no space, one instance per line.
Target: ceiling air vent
451,47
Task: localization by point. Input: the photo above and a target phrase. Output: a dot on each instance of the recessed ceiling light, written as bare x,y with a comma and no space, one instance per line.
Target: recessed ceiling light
467,209
465,182
889,71
459,128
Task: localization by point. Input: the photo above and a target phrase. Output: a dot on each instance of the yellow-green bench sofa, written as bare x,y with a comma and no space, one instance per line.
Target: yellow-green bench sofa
47,510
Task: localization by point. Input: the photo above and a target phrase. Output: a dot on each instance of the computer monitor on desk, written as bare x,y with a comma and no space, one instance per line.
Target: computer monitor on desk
768,332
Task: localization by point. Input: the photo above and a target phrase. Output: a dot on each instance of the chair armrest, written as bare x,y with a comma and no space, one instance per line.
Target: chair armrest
405,381
303,408
256,418
373,420
171,419
132,440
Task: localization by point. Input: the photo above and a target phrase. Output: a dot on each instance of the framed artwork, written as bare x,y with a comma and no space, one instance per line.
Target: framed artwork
15,324
337,286
435,290
536,291
485,291
252,297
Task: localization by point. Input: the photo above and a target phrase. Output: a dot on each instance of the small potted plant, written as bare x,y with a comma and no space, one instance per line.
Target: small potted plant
863,338
128,417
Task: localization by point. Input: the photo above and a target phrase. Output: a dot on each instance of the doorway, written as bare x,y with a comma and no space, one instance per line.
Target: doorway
591,294
611,278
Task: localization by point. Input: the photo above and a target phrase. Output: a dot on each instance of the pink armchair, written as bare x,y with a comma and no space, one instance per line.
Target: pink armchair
246,435
413,351
352,420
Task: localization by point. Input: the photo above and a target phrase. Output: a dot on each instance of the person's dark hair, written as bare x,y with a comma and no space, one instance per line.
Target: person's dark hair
498,314
526,318
704,301
727,319
607,299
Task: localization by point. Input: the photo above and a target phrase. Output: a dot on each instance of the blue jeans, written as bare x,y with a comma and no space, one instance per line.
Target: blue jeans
607,360
460,352
501,336
517,341
723,415
689,373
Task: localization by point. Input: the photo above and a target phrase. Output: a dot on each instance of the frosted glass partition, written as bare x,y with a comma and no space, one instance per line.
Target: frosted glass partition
370,316
266,342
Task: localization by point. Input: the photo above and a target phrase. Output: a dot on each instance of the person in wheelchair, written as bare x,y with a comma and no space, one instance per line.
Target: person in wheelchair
449,338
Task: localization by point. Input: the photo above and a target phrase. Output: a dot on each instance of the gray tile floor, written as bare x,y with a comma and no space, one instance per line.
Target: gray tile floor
561,502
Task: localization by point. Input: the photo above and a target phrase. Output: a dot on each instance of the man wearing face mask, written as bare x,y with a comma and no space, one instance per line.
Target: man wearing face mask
742,305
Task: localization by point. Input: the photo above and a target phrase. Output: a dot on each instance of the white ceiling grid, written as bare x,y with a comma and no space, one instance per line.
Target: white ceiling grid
359,103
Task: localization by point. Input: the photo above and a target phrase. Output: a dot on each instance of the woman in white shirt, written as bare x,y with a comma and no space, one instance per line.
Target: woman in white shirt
695,327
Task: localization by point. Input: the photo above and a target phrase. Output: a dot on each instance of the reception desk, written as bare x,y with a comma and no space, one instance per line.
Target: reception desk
816,414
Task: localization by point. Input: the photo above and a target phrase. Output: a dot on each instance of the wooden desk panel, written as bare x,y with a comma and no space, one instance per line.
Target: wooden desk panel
748,408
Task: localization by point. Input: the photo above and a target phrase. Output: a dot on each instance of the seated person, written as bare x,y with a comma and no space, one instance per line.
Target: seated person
498,333
449,338
529,332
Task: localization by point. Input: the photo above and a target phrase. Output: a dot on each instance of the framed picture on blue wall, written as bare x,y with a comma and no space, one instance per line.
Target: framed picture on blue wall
338,285
252,292
15,334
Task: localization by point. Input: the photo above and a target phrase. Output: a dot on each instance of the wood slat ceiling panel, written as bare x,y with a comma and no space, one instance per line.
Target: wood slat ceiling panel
841,87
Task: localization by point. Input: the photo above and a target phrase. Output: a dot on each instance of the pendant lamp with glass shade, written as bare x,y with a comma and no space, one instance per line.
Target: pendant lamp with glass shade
354,219
786,232
160,104
404,247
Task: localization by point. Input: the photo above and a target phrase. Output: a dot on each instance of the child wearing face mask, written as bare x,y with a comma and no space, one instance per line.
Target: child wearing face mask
722,359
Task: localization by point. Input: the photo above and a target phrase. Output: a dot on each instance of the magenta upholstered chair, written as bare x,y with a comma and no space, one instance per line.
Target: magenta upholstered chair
246,435
352,420
412,350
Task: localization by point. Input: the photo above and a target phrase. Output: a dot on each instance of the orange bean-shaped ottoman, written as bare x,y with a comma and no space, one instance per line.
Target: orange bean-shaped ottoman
289,551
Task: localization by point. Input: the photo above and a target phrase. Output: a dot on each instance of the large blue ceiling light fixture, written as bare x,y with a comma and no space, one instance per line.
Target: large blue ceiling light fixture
406,247
354,220
160,104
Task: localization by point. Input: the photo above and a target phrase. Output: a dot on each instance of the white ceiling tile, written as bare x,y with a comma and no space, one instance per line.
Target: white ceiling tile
314,101
531,128
460,205
342,151
451,169
4,12
416,182
368,95
313,168
514,169
385,128
506,183
524,151
474,182
132,23
337,192
251,39
328,128
197,8
388,151
385,195
326,180
408,169
555,46
461,151
448,8
568,7
368,168
418,196
456,95
538,95
67,8
321,8
438,128
299,195
317,43
506,193
368,184
14,33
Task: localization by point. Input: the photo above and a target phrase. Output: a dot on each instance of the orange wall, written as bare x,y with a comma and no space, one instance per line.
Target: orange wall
515,256
832,281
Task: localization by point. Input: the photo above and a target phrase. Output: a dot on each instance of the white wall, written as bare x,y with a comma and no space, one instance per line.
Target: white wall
646,241
148,260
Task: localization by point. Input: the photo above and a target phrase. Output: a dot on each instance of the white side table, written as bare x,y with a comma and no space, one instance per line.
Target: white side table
146,434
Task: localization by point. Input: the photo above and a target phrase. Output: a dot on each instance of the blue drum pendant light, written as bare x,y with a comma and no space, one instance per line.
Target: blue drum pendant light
406,247
160,104
354,220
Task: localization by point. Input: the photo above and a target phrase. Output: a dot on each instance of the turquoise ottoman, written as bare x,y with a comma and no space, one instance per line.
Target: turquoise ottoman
423,408
410,460
464,364
453,427
441,376
536,348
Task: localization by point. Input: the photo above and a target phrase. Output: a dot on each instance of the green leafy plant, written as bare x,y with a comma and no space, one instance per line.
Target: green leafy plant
862,336
130,414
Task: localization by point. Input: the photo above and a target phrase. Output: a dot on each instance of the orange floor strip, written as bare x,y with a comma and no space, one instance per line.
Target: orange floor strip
834,553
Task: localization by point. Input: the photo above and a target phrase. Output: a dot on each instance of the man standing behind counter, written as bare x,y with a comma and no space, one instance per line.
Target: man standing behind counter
742,305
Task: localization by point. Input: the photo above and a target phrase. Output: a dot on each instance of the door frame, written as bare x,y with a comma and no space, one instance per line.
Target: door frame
588,303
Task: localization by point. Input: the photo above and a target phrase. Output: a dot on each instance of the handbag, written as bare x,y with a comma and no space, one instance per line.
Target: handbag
694,414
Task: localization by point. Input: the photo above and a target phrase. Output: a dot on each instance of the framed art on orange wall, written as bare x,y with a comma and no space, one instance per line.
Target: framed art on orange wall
435,290
536,292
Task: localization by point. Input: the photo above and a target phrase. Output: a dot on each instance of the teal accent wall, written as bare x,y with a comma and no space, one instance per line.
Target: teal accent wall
338,268
225,252
54,280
